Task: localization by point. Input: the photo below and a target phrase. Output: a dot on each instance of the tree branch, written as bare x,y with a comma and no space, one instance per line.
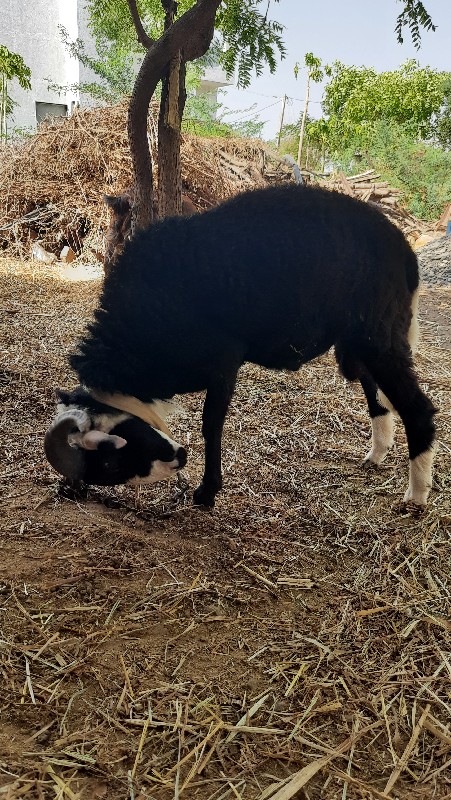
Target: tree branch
191,34
143,38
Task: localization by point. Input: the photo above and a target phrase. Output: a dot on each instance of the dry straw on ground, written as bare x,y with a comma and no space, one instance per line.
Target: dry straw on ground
295,643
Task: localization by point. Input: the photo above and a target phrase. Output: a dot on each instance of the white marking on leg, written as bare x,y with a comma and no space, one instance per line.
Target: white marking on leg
414,330
420,478
382,438
384,401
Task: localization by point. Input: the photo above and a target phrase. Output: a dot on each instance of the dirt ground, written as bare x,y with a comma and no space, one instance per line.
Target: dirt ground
294,643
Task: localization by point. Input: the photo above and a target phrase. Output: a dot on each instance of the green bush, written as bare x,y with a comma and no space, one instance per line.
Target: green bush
421,170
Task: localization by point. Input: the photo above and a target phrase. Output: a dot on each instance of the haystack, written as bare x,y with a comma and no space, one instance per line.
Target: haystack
52,185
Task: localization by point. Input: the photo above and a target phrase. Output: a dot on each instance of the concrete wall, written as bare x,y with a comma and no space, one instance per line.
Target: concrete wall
30,28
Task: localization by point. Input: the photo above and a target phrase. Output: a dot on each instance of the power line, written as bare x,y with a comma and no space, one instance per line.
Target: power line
254,113
297,99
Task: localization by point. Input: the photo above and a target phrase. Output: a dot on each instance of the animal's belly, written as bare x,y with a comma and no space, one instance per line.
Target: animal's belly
286,355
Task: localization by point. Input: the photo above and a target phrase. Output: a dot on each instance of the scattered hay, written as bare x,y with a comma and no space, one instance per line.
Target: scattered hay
294,643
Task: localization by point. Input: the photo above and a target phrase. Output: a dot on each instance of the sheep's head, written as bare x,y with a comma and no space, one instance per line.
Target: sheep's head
94,443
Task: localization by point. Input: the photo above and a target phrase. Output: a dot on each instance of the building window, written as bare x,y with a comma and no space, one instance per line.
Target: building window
44,110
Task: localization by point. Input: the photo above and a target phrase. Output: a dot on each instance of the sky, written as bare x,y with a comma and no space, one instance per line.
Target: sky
358,32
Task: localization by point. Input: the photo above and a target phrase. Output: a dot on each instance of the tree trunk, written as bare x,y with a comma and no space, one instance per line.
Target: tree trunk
172,104
169,140
190,35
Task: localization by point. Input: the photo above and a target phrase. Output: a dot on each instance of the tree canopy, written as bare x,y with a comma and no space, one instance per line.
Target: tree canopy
250,40
357,97
12,66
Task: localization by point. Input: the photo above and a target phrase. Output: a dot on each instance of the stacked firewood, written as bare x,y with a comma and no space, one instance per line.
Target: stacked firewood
368,186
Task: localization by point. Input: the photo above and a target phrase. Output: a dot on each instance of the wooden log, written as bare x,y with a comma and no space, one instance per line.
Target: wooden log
385,192
445,218
367,184
389,200
345,185
363,176
366,195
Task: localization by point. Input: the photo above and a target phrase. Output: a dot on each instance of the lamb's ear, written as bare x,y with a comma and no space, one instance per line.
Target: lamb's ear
91,440
62,396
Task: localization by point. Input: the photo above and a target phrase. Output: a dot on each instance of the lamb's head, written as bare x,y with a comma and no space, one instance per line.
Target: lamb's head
94,443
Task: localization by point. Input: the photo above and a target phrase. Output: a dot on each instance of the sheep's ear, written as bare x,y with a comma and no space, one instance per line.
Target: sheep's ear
119,204
91,440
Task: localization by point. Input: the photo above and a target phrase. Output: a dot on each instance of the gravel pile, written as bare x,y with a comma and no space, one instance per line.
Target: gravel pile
435,262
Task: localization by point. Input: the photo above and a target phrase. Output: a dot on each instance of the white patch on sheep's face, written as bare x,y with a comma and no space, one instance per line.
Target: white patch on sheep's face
382,438
101,422
160,471
420,478
105,422
168,439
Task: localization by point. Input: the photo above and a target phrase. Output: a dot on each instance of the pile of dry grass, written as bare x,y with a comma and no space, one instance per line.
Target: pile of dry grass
294,643
51,186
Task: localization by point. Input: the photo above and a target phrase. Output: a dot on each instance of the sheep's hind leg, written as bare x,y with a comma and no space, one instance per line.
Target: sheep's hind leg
382,422
394,373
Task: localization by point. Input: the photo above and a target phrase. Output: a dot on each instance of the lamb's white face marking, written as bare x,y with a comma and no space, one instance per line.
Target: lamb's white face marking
168,439
420,478
160,471
382,438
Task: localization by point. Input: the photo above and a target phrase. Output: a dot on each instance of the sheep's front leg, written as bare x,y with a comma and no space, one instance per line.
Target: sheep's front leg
219,395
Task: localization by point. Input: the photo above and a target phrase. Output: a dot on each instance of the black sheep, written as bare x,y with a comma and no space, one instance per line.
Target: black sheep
276,277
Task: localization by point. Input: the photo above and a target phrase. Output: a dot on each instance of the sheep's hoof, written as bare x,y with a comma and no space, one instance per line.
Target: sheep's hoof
203,497
368,464
410,507
72,490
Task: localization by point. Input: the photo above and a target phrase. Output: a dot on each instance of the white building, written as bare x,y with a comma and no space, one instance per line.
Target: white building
30,28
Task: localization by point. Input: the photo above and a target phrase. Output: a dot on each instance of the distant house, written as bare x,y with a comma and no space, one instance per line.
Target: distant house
30,28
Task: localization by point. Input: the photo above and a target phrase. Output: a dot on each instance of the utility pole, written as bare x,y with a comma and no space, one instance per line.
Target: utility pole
304,117
284,100
314,73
